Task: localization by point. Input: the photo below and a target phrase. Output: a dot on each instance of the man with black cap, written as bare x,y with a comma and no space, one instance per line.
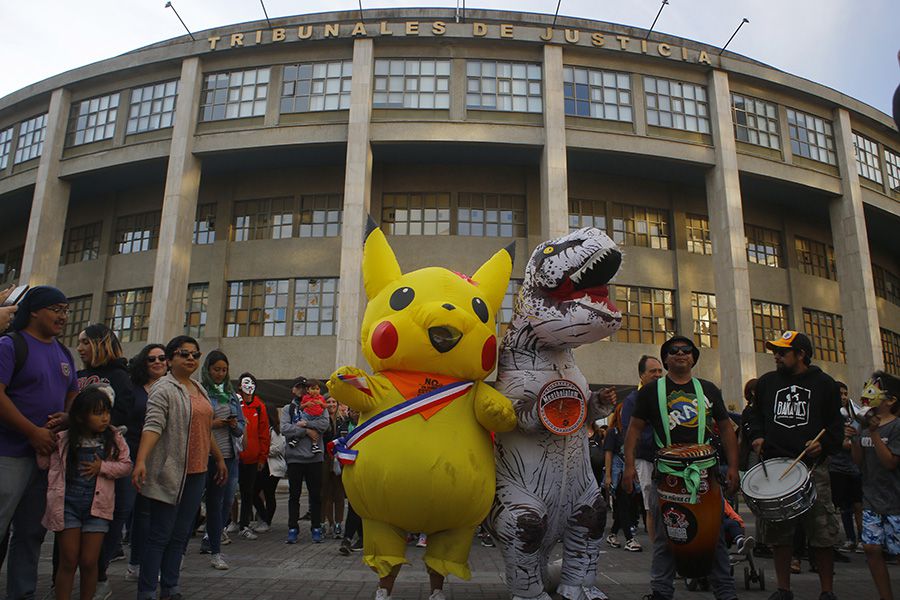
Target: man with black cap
793,404
680,391
33,398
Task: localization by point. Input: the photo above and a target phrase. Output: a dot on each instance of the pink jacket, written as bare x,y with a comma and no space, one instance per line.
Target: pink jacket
105,494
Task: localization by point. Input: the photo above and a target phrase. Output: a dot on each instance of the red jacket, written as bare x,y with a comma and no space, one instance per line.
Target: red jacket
256,433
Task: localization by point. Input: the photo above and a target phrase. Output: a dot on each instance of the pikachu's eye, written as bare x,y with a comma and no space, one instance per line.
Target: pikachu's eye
402,298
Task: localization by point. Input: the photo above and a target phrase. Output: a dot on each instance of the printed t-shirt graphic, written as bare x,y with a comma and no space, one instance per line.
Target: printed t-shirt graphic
792,406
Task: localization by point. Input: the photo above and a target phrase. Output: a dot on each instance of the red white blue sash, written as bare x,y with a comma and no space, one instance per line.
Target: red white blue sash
342,448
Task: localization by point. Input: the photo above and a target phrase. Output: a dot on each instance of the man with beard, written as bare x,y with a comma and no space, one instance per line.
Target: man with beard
793,404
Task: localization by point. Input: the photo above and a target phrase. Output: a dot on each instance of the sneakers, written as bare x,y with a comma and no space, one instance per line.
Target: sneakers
261,527
248,534
782,595
132,572
827,596
315,449
232,528
204,545
225,539
338,531
104,592
218,562
613,541
317,536
422,541
745,545
633,545
382,594
292,536
345,547
357,545
437,595
859,548
119,555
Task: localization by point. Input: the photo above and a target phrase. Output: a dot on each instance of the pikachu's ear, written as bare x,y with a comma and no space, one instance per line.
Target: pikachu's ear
379,266
493,276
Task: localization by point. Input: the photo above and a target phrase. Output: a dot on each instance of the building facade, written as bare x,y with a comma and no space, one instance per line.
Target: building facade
221,186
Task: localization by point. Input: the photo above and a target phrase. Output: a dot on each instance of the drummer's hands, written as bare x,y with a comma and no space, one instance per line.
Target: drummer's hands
758,445
732,480
813,449
628,480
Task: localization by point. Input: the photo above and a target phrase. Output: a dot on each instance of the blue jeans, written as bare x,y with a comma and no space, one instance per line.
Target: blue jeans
23,499
170,528
219,499
112,541
140,529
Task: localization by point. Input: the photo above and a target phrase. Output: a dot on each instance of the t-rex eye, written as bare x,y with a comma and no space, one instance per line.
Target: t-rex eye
402,297
548,250
481,309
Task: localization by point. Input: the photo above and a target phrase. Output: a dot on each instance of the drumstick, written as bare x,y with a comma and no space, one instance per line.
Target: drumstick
802,454
763,462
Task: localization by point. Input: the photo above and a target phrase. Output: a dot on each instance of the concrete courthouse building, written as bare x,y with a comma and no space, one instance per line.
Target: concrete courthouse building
220,186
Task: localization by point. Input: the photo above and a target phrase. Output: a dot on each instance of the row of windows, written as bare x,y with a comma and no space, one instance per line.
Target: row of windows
30,143
890,346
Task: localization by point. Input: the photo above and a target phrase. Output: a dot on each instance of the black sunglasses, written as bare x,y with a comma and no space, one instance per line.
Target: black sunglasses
153,359
196,354
673,350
782,351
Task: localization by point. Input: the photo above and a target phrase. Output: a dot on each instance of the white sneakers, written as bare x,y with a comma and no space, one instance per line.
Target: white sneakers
260,527
437,595
382,594
248,534
232,528
633,545
218,562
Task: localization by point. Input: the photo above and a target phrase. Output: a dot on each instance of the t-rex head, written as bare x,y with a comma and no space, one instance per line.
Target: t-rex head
564,297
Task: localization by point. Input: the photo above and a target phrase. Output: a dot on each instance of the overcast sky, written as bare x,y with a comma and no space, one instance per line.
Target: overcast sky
849,45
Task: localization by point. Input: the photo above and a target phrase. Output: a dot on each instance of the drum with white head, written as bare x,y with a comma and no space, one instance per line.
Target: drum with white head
779,500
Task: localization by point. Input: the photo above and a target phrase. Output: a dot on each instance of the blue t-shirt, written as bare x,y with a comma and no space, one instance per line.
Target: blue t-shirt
39,389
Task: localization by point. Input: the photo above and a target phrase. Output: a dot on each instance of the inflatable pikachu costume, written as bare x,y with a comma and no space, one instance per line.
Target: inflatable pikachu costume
421,459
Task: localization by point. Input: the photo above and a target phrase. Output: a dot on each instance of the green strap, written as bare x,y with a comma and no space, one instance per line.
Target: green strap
664,412
691,474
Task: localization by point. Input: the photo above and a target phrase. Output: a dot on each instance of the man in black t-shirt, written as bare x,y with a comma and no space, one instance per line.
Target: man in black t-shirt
679,355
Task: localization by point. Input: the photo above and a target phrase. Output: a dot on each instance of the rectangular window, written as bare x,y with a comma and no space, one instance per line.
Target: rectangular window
416,214
640,226
411,83
648,314
827,333
195,311
11,261
698,240
316,86
506,86
234,95
264,219
137,233
892,159
79,318
491,215
83,243
755,121
597,94
868,160
93,120
5,146
508,306
815,258
587,213
257,308
128,313
152,107
31,138
769,321
321,215
890,347
763,245
676,104
315,306
706,322
887,285
205,224
811,136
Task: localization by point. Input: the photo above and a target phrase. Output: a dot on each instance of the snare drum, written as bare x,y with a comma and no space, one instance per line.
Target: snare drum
775,500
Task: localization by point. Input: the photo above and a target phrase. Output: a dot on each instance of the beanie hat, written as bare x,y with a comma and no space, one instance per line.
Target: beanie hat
37,298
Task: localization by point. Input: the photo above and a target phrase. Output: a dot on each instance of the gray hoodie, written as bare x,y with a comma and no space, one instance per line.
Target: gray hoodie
301,451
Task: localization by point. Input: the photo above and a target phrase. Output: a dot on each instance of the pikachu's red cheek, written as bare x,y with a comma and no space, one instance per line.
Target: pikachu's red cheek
489,354
384,339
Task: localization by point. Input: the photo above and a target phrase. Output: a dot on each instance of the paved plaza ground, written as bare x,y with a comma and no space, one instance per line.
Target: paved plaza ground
267,569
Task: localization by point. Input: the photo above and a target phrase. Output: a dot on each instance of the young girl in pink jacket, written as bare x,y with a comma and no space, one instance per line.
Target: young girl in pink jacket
81,495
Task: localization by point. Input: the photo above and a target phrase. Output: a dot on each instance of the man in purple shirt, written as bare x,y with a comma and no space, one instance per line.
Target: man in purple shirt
33,401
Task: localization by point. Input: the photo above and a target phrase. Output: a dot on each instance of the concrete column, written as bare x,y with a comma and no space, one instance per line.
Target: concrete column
737,359
639,112
862,340
554,168
173,257
357,203
47,223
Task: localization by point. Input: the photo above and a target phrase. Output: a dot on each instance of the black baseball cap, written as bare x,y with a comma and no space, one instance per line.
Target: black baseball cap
679,339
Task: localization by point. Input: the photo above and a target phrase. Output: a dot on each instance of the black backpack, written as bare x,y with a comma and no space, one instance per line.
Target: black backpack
20,348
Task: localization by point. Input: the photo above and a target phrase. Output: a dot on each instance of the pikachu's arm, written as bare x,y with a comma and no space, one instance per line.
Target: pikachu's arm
493,410
351,395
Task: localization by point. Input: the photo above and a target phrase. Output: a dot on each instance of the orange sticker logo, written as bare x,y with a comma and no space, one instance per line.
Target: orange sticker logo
562,407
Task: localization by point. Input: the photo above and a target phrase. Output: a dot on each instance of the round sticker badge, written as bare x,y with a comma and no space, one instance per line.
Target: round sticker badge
562,407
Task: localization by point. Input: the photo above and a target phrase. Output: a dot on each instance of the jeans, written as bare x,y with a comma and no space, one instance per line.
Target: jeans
247,480
140,529
23,499
312,473
219,499
112,541
170,528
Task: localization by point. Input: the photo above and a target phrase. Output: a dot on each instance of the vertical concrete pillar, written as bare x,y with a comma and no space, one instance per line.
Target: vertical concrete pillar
737,356
554,168
357,202
173,257
47,223
862,340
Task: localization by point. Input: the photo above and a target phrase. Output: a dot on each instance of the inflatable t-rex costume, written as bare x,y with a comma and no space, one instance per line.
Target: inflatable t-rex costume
545,488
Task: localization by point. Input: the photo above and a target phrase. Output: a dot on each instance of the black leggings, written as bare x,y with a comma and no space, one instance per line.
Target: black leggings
264,495
247,482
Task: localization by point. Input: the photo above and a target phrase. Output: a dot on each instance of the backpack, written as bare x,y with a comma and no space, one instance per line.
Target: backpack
20,348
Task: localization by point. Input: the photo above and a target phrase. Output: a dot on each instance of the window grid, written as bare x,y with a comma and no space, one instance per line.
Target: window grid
887,284
491,215
815,258
811,137
705,318
827,333
6,137
31,138
508,306
257,308
205,224
128,313
83,243
315,306
597,94
411,83
763,245
504,86
152,107
587,213
868,160
79,318
892,159
316,86
890,347
640,226
195,311
769,321
266,218
676,104
137,233
321,215
234,95
93,120
648,314
416,214
10,261
755,121
698,240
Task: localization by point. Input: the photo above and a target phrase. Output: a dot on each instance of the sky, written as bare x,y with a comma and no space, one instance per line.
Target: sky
848,45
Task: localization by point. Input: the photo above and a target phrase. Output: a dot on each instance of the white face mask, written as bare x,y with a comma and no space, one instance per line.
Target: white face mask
247,386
